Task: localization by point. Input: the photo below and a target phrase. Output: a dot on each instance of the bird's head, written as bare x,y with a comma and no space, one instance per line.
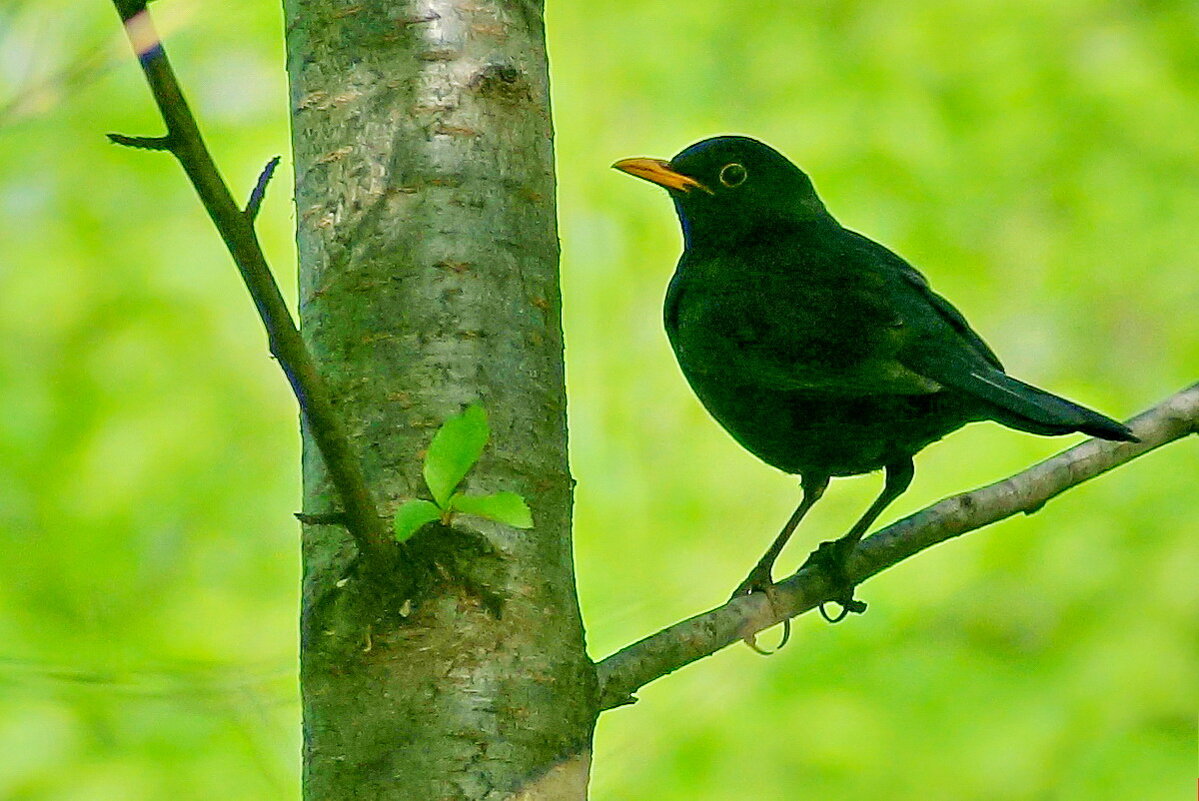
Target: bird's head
723,186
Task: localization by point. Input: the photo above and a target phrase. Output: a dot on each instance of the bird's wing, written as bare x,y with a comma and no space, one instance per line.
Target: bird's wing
941,346
932,322
951,315
938,343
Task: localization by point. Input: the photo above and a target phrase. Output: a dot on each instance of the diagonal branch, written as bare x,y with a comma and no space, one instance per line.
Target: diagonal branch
624,672
236,228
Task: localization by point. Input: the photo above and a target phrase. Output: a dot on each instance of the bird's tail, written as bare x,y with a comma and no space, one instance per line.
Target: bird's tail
1027,408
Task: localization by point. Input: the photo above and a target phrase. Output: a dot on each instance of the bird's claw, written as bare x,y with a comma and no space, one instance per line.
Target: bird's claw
760,580
831,557
848,605
752,641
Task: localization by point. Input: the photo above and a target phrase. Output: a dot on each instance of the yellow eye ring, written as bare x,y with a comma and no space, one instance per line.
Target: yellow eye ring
732,175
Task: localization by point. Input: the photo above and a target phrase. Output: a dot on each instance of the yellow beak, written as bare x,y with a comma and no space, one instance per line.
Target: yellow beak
658,172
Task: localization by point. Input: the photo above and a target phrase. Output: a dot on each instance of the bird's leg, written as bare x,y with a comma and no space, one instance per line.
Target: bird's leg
834,556
760,579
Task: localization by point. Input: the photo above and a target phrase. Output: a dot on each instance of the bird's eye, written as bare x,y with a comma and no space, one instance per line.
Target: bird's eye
733,175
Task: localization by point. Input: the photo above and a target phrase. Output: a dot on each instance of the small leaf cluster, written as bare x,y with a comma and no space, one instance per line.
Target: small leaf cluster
455,449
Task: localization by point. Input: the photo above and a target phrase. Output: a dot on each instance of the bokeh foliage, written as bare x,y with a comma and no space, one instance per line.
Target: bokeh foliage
1039,161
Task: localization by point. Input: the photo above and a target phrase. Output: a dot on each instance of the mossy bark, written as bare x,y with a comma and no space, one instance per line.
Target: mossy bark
428,279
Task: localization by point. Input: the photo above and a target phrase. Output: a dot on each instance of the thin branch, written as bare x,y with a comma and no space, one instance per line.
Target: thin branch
624,672
236,228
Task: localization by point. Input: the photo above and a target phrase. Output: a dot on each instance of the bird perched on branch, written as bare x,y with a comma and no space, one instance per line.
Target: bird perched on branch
819,350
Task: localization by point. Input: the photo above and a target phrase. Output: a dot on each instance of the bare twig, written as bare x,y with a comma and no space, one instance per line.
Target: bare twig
622,673
236,229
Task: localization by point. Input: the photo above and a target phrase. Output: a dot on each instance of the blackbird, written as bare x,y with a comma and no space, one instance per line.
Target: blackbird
819,350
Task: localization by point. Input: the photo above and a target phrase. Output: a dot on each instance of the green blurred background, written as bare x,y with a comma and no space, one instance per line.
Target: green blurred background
1039,161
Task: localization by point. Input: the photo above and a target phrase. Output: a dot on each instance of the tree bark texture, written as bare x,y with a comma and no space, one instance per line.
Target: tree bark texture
428,279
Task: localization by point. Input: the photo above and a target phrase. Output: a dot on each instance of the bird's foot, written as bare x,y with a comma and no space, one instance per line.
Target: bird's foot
832,557
760,580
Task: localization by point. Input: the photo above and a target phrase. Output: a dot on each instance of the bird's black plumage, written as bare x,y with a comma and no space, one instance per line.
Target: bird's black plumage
819,350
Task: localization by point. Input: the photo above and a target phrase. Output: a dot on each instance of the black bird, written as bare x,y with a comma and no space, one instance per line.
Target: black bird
819,350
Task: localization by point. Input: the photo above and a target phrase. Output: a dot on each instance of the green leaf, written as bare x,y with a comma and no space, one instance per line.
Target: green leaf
454,450
503,507
411,516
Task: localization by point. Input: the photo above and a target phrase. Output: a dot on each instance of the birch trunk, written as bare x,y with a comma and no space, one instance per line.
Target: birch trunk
428,279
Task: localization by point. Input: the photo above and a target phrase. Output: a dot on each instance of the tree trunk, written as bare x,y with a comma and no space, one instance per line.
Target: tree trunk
428,279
